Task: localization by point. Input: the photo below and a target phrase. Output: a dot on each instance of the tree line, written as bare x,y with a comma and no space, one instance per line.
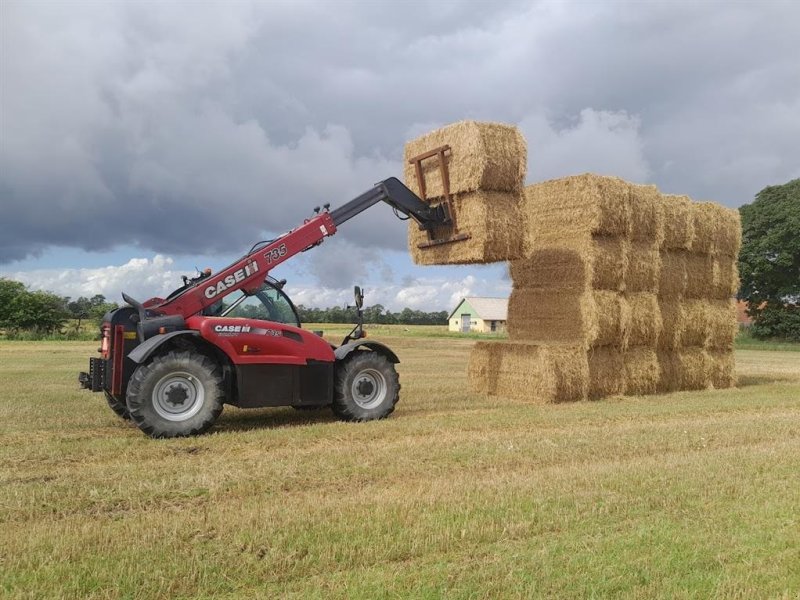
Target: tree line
375,314
45,313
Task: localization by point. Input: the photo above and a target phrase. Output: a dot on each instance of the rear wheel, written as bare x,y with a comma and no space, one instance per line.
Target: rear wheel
176,395
117,405
367,387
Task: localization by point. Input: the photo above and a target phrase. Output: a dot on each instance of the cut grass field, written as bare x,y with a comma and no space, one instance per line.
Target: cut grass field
455,495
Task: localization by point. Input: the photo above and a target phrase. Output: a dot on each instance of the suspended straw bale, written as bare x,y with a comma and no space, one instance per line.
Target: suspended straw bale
606,372
573,208
696,326
672,323
684,369
537,373
643,268
699,275
642,371
647,215
723,369
595,318
678,222
673,278
724,277
600,265
645,319
492,221
722,324
483,156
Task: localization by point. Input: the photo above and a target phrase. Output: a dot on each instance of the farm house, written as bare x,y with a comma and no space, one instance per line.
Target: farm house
482,315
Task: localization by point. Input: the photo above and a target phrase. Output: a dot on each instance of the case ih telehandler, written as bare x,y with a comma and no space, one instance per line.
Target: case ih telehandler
170,364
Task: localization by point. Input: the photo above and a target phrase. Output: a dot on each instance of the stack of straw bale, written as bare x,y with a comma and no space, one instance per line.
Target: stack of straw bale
696,287
486,164
617,288
615,295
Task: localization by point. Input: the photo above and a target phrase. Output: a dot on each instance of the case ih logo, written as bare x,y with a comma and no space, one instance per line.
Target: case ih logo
231,280
231,329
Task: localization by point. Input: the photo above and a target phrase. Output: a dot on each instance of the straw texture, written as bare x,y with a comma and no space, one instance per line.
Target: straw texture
492,221
483,156
530,372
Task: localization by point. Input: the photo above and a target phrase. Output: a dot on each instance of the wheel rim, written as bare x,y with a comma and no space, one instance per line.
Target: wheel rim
178,396
368,388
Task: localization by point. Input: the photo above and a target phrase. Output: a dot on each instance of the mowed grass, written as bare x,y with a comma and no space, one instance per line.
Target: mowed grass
455,495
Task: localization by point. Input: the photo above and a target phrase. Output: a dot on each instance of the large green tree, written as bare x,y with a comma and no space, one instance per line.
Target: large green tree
769,262
9,290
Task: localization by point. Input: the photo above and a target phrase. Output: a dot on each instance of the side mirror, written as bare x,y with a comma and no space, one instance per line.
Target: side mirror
359,296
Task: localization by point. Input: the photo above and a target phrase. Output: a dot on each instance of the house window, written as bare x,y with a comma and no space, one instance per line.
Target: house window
493,325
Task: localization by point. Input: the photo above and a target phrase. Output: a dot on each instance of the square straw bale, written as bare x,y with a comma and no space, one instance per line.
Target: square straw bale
678,222
553,268
647,215
642,371
722,324
696,326
490,218
645,319
672,277
643,268
613,315
672,323
599,265
552,316
483,156
718,230
724,277
729,235
597,318
699,275
609,263
531,372
723,369
684,369
606,372
562,211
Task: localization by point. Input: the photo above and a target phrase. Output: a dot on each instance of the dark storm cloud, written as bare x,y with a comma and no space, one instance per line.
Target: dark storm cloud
201,127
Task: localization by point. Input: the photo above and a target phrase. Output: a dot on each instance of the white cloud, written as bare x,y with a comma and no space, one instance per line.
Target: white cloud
140,278
144,278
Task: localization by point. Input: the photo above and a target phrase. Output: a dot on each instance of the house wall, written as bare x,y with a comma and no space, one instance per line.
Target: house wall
477,325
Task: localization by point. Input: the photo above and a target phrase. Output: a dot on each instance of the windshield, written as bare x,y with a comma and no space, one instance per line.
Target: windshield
269,303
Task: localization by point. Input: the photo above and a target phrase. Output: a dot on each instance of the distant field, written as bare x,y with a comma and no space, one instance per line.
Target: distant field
456,495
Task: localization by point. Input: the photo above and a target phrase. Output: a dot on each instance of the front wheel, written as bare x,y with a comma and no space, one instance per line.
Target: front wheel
176,395
367,387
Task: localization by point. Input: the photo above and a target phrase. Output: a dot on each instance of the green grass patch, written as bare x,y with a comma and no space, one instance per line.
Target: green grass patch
687,495
745,341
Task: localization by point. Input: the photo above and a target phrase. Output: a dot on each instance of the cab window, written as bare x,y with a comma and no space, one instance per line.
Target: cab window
267,304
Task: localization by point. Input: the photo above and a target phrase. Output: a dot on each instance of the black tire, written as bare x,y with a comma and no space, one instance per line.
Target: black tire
117,405
177,394
367,387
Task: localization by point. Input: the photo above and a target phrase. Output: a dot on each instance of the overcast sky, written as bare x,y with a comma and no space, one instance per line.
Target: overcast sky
142,139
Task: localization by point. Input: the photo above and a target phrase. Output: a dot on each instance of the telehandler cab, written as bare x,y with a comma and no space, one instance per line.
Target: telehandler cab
234,337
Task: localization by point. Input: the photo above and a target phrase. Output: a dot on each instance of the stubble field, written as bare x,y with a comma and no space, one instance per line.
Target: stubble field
455,495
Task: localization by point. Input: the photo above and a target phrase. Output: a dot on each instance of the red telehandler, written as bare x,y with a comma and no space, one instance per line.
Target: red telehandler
234,337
